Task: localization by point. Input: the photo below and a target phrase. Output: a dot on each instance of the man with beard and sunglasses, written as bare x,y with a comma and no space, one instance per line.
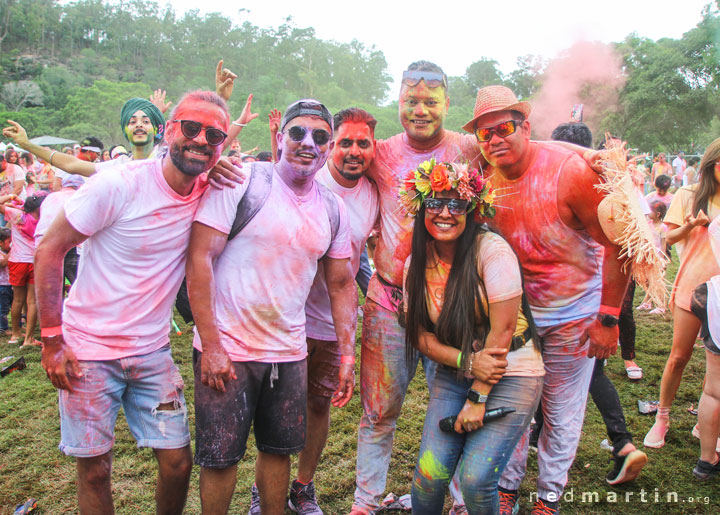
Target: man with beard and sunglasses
248,297
574,281
108,345
344,175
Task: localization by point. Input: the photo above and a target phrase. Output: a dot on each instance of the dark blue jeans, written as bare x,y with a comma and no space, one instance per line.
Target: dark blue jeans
6,298
481,455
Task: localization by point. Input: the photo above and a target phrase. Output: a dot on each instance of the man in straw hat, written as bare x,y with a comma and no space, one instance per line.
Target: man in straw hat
573,278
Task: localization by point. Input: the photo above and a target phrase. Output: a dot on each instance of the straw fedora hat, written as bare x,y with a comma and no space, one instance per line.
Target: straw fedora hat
496,98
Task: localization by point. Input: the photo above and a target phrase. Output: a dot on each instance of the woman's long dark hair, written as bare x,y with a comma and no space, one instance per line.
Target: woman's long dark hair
457,325
708,186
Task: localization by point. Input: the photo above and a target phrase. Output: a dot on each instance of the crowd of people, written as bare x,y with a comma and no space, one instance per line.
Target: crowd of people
492,268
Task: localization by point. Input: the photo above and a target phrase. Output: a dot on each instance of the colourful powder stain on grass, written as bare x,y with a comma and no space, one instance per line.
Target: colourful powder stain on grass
431,468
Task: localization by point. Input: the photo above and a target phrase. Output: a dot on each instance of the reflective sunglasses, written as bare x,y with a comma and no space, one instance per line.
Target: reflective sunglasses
191,129
432,79
319,136
503,130
455,206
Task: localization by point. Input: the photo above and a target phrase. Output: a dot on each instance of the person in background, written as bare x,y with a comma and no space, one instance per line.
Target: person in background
22,218
6,291
658,210
662,185
690,212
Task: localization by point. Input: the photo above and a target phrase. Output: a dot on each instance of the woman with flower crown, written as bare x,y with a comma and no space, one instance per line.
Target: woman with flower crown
464,308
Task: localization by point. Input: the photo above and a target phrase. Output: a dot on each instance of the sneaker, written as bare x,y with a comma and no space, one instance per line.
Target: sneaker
627,467
254,501
645,306
508,501
655,438
704,470
658,311
606,445
302,499
543,507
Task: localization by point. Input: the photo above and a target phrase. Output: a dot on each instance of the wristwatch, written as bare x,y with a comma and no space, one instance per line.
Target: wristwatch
476,397
607,320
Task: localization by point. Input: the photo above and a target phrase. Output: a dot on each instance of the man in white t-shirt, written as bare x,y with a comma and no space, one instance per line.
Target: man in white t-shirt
344,175
248,297
679,166
108,345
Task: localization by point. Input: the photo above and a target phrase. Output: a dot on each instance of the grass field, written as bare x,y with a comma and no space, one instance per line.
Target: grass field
32,466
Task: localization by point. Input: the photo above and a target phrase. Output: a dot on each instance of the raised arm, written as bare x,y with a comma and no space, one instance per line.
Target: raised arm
206,244
274,120
66,162
49,256
343,301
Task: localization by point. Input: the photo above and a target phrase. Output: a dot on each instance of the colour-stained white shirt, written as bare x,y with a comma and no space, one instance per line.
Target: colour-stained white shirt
23,246
49,209
264,274
132,264
361,203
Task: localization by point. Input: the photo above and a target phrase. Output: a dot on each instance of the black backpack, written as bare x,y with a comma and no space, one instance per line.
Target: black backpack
261,175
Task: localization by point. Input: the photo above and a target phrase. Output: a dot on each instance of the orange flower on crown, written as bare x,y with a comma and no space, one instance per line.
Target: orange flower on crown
439,179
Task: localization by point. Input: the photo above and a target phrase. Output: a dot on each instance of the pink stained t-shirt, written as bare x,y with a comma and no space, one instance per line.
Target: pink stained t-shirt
264,274
361,203
132,264
393,158
23,246
49,209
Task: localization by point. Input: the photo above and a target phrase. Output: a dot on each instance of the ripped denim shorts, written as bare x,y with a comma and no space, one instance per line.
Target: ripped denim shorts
150,390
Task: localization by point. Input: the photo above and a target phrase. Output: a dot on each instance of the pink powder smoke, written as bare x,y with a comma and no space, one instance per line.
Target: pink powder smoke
587,73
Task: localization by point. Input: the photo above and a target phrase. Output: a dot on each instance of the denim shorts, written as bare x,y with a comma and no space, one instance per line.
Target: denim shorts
150,390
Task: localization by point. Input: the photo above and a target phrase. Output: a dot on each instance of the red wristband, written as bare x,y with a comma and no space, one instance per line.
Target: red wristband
347,360
609,310
49,332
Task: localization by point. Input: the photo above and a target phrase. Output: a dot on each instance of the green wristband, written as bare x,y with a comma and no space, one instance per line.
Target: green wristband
459,360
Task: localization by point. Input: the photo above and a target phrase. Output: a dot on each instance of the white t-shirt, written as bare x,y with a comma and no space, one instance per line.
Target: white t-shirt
13,173
49,209
23,246
132,264
361,203
264,274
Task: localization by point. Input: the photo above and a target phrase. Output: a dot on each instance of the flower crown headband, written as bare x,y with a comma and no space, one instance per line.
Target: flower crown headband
432,177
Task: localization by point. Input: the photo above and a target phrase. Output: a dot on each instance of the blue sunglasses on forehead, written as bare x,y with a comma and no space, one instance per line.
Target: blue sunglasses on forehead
432,79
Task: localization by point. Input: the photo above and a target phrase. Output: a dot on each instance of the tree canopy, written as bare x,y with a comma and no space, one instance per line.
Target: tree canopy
66,69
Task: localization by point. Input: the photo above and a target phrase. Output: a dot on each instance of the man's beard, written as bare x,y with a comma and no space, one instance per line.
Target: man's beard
351,176
188,166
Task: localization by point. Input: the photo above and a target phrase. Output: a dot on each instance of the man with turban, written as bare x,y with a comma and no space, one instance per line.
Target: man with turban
142,124
141,121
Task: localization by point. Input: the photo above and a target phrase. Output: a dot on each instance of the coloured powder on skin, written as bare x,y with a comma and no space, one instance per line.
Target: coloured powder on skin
431,468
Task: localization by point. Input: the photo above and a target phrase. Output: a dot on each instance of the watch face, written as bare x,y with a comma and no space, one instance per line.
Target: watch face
608,320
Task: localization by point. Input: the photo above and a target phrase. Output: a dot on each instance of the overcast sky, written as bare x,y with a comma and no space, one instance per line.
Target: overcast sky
455,33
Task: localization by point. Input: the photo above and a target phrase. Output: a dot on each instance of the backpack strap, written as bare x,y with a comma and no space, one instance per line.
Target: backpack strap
257,192
332,209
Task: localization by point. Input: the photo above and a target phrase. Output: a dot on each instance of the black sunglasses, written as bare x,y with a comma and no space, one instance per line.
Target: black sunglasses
503,130
319,136
455,206
191,129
